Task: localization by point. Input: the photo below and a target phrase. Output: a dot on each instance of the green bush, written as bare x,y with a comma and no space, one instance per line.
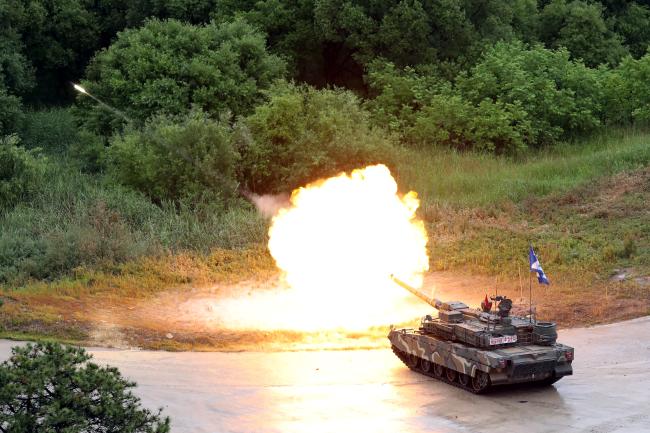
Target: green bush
166,67
454,122
425,110
175,158
20,172
303,134
561,97
397,95
52,130
627,95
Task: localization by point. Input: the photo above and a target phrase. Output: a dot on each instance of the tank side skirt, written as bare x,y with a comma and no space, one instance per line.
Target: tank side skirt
461,359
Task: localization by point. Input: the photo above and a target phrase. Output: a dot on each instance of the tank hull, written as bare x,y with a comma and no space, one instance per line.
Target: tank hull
479,369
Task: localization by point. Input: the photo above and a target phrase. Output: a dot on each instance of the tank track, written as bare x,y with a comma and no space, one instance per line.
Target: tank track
403,356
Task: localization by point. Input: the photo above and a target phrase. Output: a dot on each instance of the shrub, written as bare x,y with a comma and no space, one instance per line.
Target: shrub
561,97
52,130
165,67
454,122
47,387
627,96
398,95
426,110
20,172
55,131
176,158
71,222
303,134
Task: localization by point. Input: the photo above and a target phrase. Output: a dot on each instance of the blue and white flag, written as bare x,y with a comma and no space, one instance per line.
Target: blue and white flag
536,267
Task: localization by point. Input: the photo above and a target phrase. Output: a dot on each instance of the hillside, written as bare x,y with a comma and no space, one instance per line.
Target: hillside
587,220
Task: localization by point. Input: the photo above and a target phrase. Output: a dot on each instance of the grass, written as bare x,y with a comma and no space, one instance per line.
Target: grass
81,221
446,178
147,276
581,234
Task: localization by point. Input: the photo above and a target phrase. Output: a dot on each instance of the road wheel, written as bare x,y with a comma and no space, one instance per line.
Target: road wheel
463,379
413,361
451,375
480,382
438,370
425,364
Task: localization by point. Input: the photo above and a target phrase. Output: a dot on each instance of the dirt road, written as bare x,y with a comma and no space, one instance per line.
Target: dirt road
352,391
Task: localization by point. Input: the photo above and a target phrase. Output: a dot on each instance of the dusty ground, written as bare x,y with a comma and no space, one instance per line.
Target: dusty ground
371,390
188,318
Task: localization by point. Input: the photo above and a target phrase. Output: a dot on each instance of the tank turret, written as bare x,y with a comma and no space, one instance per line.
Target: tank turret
457,322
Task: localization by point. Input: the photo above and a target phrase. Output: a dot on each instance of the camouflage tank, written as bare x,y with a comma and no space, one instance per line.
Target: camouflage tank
476,349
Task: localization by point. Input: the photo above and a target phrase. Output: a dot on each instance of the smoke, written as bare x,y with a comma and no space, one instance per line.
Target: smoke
269,204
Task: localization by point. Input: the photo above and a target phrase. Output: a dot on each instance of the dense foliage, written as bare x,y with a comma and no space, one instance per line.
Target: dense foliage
193,105
191,157
302,134
48,388
166,67
558,96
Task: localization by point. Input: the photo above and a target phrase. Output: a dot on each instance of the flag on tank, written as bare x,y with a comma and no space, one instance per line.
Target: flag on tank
536,267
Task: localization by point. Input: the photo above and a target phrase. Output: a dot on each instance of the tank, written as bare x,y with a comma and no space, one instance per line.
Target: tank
477,349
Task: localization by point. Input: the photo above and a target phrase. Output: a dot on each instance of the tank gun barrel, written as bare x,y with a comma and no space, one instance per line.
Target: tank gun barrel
435,303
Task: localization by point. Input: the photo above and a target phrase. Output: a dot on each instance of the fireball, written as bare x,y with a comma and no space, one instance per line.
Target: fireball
337,244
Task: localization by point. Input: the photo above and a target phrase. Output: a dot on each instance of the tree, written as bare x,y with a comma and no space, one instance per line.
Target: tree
405,32
49,388
166,67
427,111
290,29
405,35
496,20
193,11
302,134
59,37
627,96
580,27
561,97
16,73
634,26
176,158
